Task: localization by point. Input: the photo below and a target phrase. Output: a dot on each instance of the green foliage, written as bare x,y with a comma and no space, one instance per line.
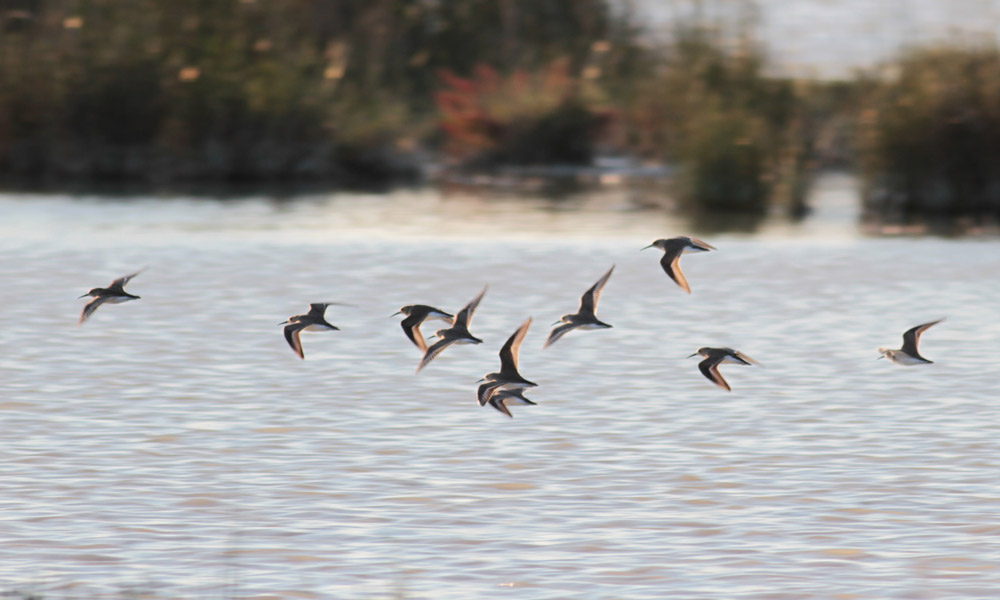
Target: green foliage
929,136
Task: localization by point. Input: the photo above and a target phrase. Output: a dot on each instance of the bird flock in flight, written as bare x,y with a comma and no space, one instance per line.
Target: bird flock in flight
507,386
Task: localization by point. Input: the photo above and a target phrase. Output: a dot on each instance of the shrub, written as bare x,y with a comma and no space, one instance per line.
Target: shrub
518,119
734,132
930,137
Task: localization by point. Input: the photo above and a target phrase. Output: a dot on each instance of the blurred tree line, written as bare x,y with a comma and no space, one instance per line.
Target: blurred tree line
350,91
255,89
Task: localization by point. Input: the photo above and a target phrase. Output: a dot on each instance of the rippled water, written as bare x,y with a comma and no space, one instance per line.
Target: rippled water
175,447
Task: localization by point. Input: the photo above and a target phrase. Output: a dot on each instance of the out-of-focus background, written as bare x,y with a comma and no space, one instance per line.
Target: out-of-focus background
740,104
249,157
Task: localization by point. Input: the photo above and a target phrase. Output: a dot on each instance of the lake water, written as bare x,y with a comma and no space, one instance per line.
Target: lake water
175,447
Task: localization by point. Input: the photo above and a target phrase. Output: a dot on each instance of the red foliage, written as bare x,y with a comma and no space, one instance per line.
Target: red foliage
465,102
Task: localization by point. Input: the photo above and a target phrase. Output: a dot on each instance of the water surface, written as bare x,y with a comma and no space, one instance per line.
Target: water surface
175,447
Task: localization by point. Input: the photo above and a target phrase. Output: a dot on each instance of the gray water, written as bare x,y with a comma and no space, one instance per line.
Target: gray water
175,447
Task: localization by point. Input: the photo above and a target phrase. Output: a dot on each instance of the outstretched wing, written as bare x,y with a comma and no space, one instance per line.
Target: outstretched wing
292,331
590,298
912,337
464,316
701,245
435,349
512,349
499,404
743,357
710,368
671,263
91,307
317,310
558,332
487,391
121,281
514,394
411,327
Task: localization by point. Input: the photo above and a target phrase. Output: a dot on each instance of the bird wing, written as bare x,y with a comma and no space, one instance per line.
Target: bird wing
121,281
671,263
912,337
558,332
710,368
743,357
590,298
411,327
317,310
498,404
700,244
435,349
518,393
487,391
464,316
437,313
292,331
91,307
512,349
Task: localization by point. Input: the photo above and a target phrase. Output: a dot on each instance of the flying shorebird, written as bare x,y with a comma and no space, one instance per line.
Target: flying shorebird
314,320
716,356
458,333
508,376
585,317
672,250
501,398
114,293
415,315
908,354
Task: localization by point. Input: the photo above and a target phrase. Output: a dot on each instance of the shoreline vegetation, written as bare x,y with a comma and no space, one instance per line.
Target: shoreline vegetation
354,93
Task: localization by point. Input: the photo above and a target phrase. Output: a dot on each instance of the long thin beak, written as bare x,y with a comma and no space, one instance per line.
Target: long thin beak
649,246
481,380
83,296
695,354
556,323
398,312
883,356
283,323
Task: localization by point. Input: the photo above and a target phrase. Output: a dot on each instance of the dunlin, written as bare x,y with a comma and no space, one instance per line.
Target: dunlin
673,248
314,320
415,315
113,294
908,354
716,356
584,318
508,376
458,333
